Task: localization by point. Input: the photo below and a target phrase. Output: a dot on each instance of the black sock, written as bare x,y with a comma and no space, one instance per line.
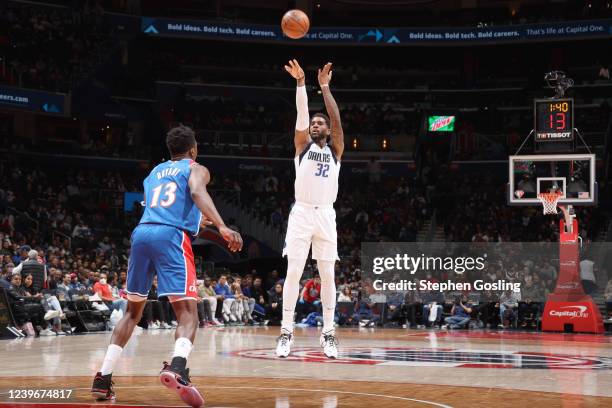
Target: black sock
178,364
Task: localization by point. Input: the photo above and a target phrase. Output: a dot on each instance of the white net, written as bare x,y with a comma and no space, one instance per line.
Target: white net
549,201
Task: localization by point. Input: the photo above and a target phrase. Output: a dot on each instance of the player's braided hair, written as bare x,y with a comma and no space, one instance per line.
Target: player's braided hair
180,139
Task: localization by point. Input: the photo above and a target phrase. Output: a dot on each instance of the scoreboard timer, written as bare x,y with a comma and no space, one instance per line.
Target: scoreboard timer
554,120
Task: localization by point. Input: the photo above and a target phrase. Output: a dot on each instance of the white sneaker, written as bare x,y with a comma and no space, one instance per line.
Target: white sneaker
165,325
329,344
46,332
51,314
60,333
174,323
283,345
154,326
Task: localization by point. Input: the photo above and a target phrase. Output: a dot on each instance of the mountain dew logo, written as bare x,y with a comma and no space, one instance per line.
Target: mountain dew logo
441,123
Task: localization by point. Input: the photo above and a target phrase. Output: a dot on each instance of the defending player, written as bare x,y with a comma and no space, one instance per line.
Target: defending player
313,219
175,200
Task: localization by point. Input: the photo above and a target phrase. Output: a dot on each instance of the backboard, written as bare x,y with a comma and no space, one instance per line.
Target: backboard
573,175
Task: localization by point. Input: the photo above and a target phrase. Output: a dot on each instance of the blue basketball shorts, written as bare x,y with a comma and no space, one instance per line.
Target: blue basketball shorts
164,251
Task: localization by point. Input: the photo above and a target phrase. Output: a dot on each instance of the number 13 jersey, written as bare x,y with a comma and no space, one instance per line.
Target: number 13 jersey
168,197
316,175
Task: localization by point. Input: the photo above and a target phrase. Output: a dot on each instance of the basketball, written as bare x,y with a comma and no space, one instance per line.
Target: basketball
295,24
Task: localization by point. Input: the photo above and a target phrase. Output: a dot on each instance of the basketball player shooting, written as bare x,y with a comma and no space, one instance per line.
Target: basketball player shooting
312,220
177,205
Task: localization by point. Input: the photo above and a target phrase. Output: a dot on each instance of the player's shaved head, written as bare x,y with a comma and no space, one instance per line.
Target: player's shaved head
180,140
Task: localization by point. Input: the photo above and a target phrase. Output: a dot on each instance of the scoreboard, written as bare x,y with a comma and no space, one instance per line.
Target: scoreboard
554,120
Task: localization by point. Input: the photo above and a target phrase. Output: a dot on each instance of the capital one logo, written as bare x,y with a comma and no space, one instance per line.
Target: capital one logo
580,312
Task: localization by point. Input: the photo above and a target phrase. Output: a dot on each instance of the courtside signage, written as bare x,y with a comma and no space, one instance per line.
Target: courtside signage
382,36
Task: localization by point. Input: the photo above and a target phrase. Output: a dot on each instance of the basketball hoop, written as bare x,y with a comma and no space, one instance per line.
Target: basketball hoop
549,201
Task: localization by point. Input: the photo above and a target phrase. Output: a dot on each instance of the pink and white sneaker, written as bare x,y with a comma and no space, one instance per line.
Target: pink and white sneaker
181,384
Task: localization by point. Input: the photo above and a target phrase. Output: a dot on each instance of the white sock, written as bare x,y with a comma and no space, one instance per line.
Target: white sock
291,291
328,294
182,347
112,355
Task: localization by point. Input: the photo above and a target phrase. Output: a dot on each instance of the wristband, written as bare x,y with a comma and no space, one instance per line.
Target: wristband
327,85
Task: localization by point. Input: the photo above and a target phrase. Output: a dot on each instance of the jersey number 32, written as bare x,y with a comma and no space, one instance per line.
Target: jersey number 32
322,170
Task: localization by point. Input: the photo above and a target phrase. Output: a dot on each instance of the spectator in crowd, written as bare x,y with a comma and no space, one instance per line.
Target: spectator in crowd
460,314
38,304
63,289
205,314
395,312
346,295
104,291
432,307
488,309
206,291
244,304
229,302
413,307
530,305
608,297
33,267
5,279
587,275
367,313
271,281
16,295
508,303
261,299
157,311
310,298
274,311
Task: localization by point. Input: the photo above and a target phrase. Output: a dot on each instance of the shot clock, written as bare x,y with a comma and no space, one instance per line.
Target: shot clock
554,120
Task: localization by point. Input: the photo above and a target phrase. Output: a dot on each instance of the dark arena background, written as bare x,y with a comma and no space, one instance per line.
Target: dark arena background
462,121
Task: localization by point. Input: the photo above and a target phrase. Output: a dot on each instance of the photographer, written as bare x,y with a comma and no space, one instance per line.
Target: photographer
460,314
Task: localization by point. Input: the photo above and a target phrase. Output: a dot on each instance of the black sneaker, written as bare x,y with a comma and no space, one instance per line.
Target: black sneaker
179,381
102,388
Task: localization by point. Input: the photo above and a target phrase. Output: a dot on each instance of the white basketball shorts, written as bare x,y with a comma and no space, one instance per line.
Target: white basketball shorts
312,224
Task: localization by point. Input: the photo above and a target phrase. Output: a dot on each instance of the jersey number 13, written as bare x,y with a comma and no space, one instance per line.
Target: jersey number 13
169,195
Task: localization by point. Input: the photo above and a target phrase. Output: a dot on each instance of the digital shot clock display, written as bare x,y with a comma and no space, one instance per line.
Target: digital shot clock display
554,120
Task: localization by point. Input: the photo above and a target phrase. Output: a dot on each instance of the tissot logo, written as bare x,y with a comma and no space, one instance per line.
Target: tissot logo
576,311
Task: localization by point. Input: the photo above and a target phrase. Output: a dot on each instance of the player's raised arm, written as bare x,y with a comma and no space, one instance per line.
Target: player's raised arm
302,122
337,134
198,180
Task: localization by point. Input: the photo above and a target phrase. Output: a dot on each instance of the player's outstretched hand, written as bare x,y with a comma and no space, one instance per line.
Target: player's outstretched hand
295,70
234,240
325,74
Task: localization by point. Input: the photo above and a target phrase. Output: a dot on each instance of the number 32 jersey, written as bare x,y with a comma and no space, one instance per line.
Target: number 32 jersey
316,175
168,197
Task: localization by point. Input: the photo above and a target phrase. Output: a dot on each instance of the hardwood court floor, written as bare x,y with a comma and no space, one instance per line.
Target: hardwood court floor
236,367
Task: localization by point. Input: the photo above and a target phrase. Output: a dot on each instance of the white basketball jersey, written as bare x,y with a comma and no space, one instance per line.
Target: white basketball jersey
316,175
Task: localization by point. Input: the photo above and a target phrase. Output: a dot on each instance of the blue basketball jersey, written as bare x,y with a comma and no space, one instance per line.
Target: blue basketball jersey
168,198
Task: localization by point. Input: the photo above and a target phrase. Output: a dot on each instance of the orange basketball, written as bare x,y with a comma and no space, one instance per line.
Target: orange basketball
295,24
